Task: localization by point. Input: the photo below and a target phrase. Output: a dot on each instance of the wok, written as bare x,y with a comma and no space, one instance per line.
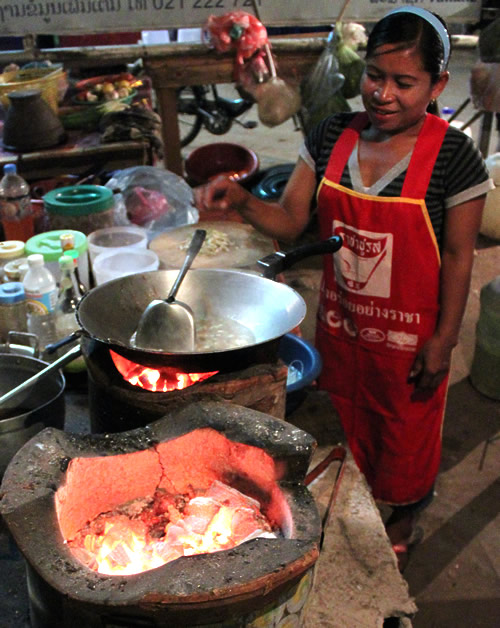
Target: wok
110,312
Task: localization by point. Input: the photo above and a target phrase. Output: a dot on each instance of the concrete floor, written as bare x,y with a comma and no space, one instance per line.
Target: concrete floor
454,574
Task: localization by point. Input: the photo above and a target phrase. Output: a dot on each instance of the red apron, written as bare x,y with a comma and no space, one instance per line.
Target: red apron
378,305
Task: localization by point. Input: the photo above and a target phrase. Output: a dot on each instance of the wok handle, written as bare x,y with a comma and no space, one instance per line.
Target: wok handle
273,264
54,346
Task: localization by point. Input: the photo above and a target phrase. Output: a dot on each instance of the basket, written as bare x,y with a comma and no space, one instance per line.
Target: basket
50,81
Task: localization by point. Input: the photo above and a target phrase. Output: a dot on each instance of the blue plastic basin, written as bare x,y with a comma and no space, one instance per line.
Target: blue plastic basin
292,349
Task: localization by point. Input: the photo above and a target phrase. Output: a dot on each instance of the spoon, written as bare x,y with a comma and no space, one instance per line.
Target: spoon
168,324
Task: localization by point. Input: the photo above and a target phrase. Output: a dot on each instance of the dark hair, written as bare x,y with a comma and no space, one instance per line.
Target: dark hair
409,30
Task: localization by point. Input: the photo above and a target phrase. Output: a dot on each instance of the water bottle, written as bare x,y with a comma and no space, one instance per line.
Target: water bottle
41,295
15,206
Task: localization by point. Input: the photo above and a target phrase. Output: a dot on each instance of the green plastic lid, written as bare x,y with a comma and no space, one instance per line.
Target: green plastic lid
49,244
79,200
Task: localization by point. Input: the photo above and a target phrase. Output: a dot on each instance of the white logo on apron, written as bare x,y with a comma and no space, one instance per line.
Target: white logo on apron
363,264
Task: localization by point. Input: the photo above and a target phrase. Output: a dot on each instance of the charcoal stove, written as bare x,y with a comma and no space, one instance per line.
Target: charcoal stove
58,481
116,404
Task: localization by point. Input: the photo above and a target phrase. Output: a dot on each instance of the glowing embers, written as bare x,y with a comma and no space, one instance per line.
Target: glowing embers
146,533
162,379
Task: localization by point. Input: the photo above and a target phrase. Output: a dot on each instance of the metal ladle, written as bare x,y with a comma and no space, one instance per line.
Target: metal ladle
168,324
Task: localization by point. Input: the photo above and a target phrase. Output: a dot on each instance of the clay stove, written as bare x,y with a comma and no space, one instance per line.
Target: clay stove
59,481
119,402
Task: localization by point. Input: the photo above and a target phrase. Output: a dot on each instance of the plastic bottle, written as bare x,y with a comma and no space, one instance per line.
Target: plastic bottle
67,299
41,295
15,206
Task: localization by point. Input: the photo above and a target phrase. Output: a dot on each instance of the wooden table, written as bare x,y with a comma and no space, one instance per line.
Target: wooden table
199,64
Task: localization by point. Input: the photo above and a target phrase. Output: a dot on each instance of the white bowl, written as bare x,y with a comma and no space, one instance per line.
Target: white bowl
118,263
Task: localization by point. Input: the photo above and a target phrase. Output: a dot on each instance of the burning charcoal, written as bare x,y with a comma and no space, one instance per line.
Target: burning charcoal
229,496
135,507
205,507
246,523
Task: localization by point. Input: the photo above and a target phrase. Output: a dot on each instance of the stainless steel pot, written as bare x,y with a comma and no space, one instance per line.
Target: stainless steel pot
39,407
109,313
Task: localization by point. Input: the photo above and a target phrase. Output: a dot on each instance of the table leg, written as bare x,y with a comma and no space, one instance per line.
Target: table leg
167,105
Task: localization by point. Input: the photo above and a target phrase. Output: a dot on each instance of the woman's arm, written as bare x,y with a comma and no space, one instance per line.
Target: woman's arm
462,225
284,220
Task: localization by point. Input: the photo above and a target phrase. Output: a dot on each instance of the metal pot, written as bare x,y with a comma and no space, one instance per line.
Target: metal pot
39,407
109,313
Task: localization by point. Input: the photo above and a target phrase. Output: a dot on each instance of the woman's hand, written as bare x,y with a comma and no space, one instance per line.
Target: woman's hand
432,363
221,194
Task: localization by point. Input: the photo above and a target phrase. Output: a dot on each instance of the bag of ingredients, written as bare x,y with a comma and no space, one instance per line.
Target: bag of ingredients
153,198
276,100
336,76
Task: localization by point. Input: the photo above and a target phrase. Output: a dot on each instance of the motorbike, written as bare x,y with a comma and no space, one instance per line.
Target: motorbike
201,106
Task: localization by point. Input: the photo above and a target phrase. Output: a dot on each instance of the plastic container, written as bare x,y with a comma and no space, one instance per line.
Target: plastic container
485,369
16,213
12,309
84,208
41,295
114,264
116,239
10,250
49,245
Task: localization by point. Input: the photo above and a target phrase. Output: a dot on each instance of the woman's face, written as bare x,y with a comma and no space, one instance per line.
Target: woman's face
396,89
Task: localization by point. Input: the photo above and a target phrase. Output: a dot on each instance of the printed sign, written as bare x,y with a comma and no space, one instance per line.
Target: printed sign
19,17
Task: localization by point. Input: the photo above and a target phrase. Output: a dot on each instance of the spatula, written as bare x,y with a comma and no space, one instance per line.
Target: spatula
168,325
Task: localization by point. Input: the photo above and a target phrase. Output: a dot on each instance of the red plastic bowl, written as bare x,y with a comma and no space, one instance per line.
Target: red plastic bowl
209,161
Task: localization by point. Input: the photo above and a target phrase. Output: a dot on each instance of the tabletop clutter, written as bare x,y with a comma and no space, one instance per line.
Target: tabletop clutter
78,237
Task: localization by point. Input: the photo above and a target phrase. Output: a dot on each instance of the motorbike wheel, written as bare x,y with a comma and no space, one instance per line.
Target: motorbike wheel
190,100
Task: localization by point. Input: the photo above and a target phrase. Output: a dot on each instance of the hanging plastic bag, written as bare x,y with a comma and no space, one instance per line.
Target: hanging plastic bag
335,77
276,100
239,31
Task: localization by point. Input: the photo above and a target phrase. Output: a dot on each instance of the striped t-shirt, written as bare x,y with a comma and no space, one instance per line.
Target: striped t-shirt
459,174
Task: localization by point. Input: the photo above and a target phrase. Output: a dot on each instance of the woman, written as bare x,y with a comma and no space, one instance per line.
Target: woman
405,191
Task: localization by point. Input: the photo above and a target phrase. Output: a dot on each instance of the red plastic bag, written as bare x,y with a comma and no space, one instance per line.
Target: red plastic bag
239,31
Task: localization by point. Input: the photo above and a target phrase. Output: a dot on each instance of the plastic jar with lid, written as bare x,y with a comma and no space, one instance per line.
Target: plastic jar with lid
84,208
16,269
49,245
12,309
9,251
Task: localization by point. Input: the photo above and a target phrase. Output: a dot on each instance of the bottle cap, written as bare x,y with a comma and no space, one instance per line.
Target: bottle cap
36,259
11,292
67,240
11,248
10,169
66,262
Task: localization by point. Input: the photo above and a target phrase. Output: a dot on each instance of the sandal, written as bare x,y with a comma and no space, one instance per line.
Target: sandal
404,550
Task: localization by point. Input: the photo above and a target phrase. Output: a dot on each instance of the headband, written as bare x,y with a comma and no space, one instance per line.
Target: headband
436,24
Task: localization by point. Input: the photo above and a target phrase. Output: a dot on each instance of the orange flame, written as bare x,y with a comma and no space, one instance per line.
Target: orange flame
162,379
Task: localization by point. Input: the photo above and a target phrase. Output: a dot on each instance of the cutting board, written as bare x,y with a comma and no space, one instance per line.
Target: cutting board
245,246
